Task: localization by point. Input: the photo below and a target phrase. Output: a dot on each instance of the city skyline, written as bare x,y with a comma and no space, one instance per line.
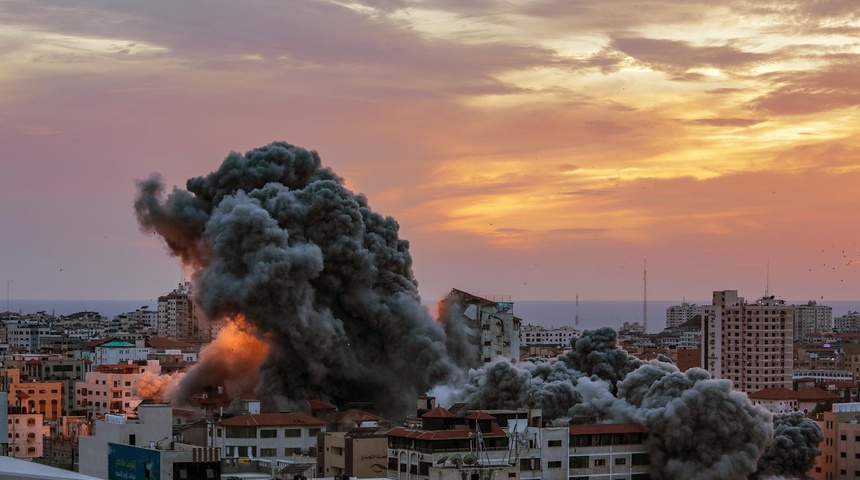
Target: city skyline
539,150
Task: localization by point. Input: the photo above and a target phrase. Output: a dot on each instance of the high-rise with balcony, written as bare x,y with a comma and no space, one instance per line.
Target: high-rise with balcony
748,343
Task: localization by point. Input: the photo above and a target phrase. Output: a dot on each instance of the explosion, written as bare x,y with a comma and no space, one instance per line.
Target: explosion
321,278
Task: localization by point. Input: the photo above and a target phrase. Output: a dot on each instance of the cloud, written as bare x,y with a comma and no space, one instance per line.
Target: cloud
814,91
724,122
678,57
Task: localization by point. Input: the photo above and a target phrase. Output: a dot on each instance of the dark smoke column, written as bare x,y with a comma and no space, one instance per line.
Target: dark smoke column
324,280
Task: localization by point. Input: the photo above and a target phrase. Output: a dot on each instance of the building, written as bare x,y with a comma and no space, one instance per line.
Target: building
179,318
251,435
27,432
120,446
513,444
111,388
531,335
677,315
45,398
812,320
448,447
490,327
848,323
750,344
783,400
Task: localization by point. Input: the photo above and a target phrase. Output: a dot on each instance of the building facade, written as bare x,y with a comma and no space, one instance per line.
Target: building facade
811,320
489,326
750,344
677,315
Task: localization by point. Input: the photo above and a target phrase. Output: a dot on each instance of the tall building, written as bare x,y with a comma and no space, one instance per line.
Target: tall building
178,317
812,320
489,326
677,315
750,344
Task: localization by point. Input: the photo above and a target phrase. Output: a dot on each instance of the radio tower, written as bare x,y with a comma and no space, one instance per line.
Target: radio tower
576,322
645,295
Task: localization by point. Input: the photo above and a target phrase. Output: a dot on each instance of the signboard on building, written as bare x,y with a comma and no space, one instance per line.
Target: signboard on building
126,462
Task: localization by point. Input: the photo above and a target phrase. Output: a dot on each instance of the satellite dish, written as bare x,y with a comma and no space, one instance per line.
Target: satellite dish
441,460
456,460
470,459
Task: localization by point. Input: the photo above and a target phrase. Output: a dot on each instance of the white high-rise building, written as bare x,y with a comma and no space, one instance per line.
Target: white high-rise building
811,320
750,344
677,315
178,318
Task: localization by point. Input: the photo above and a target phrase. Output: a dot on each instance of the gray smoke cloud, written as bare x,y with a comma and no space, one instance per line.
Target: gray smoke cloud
794,447
322,279
698,428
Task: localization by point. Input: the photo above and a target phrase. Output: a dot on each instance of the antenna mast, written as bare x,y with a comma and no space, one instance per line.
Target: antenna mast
645,295
576,322
767,281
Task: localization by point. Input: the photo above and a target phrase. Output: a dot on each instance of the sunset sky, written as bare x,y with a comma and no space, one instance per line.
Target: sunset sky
538,148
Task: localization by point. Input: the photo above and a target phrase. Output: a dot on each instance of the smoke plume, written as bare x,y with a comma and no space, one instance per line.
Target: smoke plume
321,278
698,428
793,449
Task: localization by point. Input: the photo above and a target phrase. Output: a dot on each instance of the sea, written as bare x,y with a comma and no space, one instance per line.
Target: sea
548,314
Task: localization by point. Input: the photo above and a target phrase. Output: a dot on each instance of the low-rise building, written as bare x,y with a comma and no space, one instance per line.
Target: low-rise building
251,435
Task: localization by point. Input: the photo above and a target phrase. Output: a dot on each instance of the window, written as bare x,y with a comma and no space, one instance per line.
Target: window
268,452
292,433
579,461
620,461
268,433
554,443
600,462
640,459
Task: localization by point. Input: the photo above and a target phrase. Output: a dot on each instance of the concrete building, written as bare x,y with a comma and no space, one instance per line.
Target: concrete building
128,442
27,432
179,318
513,444
249,435
111,388
489,325
848,323
359,453
812,320
750,344
45,398
531,335
677,315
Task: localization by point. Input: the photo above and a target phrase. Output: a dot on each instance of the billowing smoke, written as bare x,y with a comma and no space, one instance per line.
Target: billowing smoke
794,447
321,278
698,428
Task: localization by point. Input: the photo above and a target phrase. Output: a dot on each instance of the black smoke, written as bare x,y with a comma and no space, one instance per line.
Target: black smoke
325,281
794,447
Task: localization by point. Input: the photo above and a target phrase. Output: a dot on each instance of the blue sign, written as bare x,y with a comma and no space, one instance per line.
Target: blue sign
126,462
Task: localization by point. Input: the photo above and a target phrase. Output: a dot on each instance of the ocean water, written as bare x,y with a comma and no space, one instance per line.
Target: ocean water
549,314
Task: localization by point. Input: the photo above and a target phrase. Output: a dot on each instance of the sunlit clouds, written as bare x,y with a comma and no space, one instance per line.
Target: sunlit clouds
570,138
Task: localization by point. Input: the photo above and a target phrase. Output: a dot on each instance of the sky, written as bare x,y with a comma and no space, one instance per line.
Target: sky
537,149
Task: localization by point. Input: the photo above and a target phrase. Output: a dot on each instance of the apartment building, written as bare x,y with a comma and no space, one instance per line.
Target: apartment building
508,444
848,323
179,318
489,325
677,315
750,344
27,431
536,335
255,435
811,320
111,388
